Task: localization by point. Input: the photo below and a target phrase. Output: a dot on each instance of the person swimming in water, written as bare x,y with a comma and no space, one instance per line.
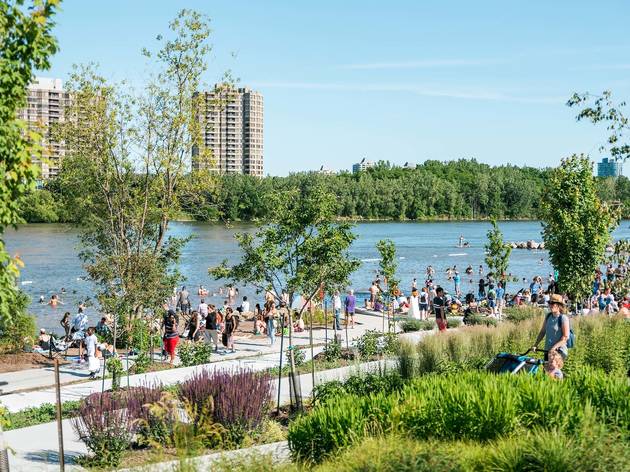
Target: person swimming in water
54,301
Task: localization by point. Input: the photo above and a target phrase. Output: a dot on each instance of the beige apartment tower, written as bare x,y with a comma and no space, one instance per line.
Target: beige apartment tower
45,105
232,130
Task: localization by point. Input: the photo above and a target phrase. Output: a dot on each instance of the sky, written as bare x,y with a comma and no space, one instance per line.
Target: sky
403,81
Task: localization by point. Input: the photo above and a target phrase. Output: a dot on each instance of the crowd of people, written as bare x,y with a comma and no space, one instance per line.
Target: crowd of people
217,325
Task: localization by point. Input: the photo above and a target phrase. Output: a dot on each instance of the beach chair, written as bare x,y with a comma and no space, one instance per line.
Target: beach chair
57,347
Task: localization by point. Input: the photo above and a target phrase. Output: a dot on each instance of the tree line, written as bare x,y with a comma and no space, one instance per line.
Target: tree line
462,189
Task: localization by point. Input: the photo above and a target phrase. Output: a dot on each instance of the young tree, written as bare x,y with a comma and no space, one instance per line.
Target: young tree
298,252
125,156
26,44
576,225
497,253
388,266
603,109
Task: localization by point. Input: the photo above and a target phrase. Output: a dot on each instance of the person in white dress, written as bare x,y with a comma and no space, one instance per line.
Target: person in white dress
414,305
94,365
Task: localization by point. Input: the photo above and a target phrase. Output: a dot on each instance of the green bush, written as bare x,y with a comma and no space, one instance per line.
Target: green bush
474,406
477,319
37,415
194,353
535,451
411,325
332,351
516,314
20,330
360,384
299,355
453,323
374,343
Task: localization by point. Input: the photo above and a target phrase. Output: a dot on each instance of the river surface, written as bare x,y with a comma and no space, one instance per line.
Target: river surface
50,254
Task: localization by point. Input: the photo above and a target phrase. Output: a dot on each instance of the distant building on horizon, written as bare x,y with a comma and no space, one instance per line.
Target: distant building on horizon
325,171
232,130
46,101
609,167
362,166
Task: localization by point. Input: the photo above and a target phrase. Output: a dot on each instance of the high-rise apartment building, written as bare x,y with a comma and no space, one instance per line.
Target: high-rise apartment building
45,105
609,168
232,130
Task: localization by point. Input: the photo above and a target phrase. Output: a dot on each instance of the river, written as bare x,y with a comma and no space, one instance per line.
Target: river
50,254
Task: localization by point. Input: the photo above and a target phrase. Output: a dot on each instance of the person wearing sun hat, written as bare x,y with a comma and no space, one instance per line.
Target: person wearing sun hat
555,329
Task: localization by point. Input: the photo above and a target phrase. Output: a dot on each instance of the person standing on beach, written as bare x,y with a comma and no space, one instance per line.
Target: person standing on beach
65,323
373,294
424,303
414,305
183,301
349,305
439,308
457,280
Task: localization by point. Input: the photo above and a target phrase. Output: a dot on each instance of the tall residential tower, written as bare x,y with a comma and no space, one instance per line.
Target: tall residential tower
45,105
232,130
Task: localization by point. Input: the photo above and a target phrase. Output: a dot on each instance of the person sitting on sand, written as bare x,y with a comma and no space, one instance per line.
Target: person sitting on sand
44,340
259,324
298,326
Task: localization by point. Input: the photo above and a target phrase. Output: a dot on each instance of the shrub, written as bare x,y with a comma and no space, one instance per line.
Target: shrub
105,427
19,330
472,406
37,415
360,384
411,325
141,363
299,355
194,353
522,313
332,351
477,319
373,343
241,398
396,454
453,323
138,402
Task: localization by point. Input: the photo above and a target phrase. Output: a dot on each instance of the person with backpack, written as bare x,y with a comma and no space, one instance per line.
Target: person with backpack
556,329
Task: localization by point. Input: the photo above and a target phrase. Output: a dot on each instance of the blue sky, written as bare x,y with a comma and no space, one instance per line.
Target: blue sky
396,80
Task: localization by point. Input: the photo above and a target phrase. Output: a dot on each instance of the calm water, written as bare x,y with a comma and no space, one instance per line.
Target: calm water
49,252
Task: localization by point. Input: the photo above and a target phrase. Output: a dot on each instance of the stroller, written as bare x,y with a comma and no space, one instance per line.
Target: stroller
505,362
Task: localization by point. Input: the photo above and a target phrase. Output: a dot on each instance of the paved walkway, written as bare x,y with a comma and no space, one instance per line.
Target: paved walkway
36,447
253,353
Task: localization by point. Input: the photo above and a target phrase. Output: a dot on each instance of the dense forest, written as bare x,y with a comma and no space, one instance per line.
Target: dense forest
463,189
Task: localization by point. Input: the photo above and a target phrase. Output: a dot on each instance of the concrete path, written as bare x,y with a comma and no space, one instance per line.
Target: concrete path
36,447
253,353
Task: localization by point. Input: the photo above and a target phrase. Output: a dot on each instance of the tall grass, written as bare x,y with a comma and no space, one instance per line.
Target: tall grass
473,405
602,343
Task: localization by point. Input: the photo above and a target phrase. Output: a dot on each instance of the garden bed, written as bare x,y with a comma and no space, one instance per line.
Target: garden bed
26,360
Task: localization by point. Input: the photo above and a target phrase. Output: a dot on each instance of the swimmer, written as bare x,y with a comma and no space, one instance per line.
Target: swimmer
202,291
41,300
54,301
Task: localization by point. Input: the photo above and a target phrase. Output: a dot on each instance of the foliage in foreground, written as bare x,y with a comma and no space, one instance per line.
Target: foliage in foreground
602,343
474,406
576,225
